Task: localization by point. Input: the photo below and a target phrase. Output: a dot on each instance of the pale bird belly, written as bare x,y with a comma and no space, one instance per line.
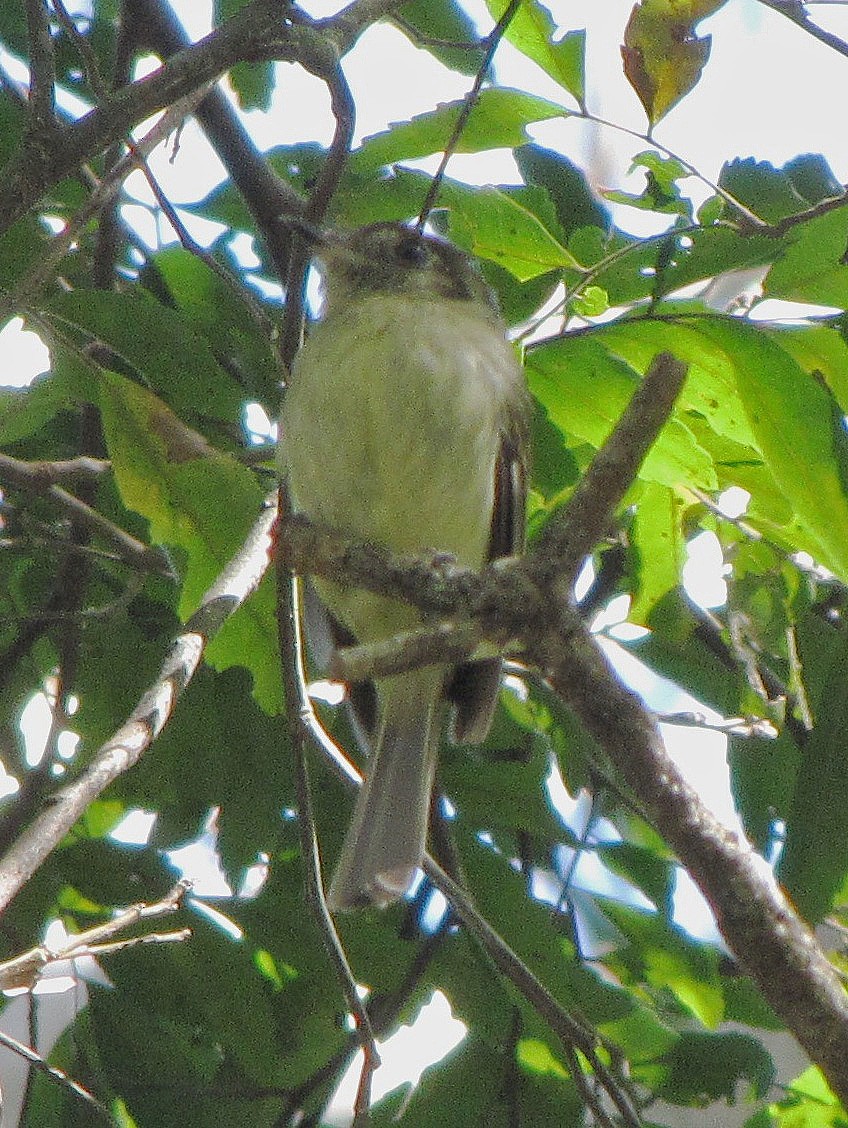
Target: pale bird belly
409,449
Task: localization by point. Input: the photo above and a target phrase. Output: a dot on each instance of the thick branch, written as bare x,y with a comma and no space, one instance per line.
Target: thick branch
774,945
267,195
583,520
258,33
42,73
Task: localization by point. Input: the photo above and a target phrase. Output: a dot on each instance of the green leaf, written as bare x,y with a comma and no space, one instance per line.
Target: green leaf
220,313
813,178
765,190
575,202
244,771
500,229
508,794
678,649
459,1091
710,392
20,245
752,391
225,9
660,955
498,121
536,1057
792,417
641,1036
662,192
584,390
534,933
814,861
591,302
12,111
443,20
532,30
155,342
195,497
660,546
821,350
708,1067
495,224
24,411
763,775
642,868
253,85
813,268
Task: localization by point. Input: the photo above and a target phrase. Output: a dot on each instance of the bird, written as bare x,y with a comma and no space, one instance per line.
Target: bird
405,424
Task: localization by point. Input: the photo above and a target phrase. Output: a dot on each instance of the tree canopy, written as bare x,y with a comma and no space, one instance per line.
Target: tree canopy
145,592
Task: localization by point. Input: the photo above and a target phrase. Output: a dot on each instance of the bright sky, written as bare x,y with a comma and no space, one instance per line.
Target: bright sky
769,91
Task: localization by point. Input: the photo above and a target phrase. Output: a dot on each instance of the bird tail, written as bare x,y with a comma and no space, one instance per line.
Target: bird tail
386,839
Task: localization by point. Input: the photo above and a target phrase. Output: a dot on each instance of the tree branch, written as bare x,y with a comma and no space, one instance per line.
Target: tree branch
31,477
774,945
297,706
258,33
795,11
568,1030
528,601
24,970
573,532
125,747
42,75
58,1075
266,194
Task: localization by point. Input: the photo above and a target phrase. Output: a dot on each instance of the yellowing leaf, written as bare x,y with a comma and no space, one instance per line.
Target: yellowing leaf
663,58
199,501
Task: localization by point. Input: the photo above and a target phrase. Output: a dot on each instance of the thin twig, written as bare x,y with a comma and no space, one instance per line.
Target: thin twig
823,207
795,11
446,642
29,476
291,654
23,971
751,218
82,44
42,472
492,42
568,1030
584,1087
422,40
266,194
56,1074
344,113
45,267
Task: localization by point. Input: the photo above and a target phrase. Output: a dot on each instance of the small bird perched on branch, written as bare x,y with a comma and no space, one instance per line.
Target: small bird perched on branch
406,425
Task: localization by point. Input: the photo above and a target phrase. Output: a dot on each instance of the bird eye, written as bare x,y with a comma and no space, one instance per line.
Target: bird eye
413,252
